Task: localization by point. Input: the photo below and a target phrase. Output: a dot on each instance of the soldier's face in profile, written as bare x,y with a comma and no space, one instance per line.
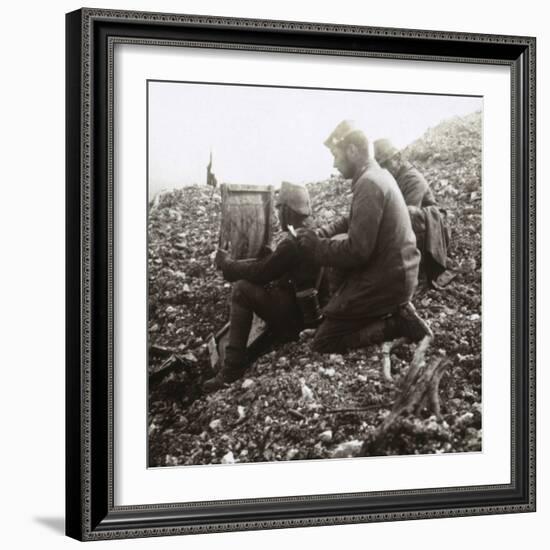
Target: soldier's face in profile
391,165
342,162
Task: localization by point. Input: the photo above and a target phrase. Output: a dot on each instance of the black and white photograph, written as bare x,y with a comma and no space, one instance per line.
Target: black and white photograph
270,275
314,273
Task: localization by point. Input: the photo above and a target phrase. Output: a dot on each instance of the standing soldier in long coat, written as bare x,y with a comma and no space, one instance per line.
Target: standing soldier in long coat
432,234
378,257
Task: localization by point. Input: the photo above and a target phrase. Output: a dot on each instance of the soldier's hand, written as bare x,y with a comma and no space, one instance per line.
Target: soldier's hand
307,239
322,232
222,258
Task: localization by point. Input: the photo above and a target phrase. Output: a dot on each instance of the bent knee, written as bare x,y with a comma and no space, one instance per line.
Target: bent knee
244,292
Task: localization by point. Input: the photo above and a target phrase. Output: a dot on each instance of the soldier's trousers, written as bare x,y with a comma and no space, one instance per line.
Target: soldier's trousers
340,336
276,306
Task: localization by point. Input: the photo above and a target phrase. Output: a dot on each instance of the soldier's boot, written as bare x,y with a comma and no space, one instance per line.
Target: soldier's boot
408,327
234,367
411,325
290,334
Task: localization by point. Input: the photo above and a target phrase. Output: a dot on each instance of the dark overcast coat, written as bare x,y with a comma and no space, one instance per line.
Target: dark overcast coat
428,223
414,186
379,256
287,265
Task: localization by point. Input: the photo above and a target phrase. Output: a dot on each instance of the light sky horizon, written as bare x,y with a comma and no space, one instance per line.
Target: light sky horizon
265,135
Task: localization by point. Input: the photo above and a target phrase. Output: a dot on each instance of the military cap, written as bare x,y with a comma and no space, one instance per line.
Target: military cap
295,196
384,150
341,132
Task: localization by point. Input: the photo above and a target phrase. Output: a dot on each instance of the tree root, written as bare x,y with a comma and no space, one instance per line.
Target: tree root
386,350
418,390
421,391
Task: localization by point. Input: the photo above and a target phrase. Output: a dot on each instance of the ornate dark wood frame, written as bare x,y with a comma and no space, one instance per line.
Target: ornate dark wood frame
90,510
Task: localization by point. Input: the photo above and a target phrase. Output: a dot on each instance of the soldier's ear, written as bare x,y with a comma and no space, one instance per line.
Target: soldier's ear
352,151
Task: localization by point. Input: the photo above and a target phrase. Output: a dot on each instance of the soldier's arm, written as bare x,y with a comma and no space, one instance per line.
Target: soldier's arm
429,199
335,228
355,251
414,188
263,271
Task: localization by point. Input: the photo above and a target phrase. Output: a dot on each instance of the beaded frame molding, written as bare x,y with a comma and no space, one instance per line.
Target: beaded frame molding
90,39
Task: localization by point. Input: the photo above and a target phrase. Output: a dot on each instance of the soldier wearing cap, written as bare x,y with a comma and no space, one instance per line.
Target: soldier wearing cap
267,286
411,182
378,255
432,235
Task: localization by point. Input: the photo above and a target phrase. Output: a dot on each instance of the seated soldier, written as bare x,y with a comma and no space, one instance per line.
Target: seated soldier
432,236
377,256
267,286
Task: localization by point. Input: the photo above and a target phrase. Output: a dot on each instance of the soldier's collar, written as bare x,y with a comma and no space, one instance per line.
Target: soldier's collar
361,171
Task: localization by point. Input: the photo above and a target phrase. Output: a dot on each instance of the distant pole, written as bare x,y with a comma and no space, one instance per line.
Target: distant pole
210,177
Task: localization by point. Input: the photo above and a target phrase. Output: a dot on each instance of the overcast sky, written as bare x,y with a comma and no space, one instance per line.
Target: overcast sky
264,135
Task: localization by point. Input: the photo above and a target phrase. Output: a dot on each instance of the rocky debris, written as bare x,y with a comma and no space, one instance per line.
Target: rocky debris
228,458
215,424
347,450
267,415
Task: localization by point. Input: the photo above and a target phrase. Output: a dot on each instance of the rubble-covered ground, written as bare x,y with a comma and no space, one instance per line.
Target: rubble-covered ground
293,403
